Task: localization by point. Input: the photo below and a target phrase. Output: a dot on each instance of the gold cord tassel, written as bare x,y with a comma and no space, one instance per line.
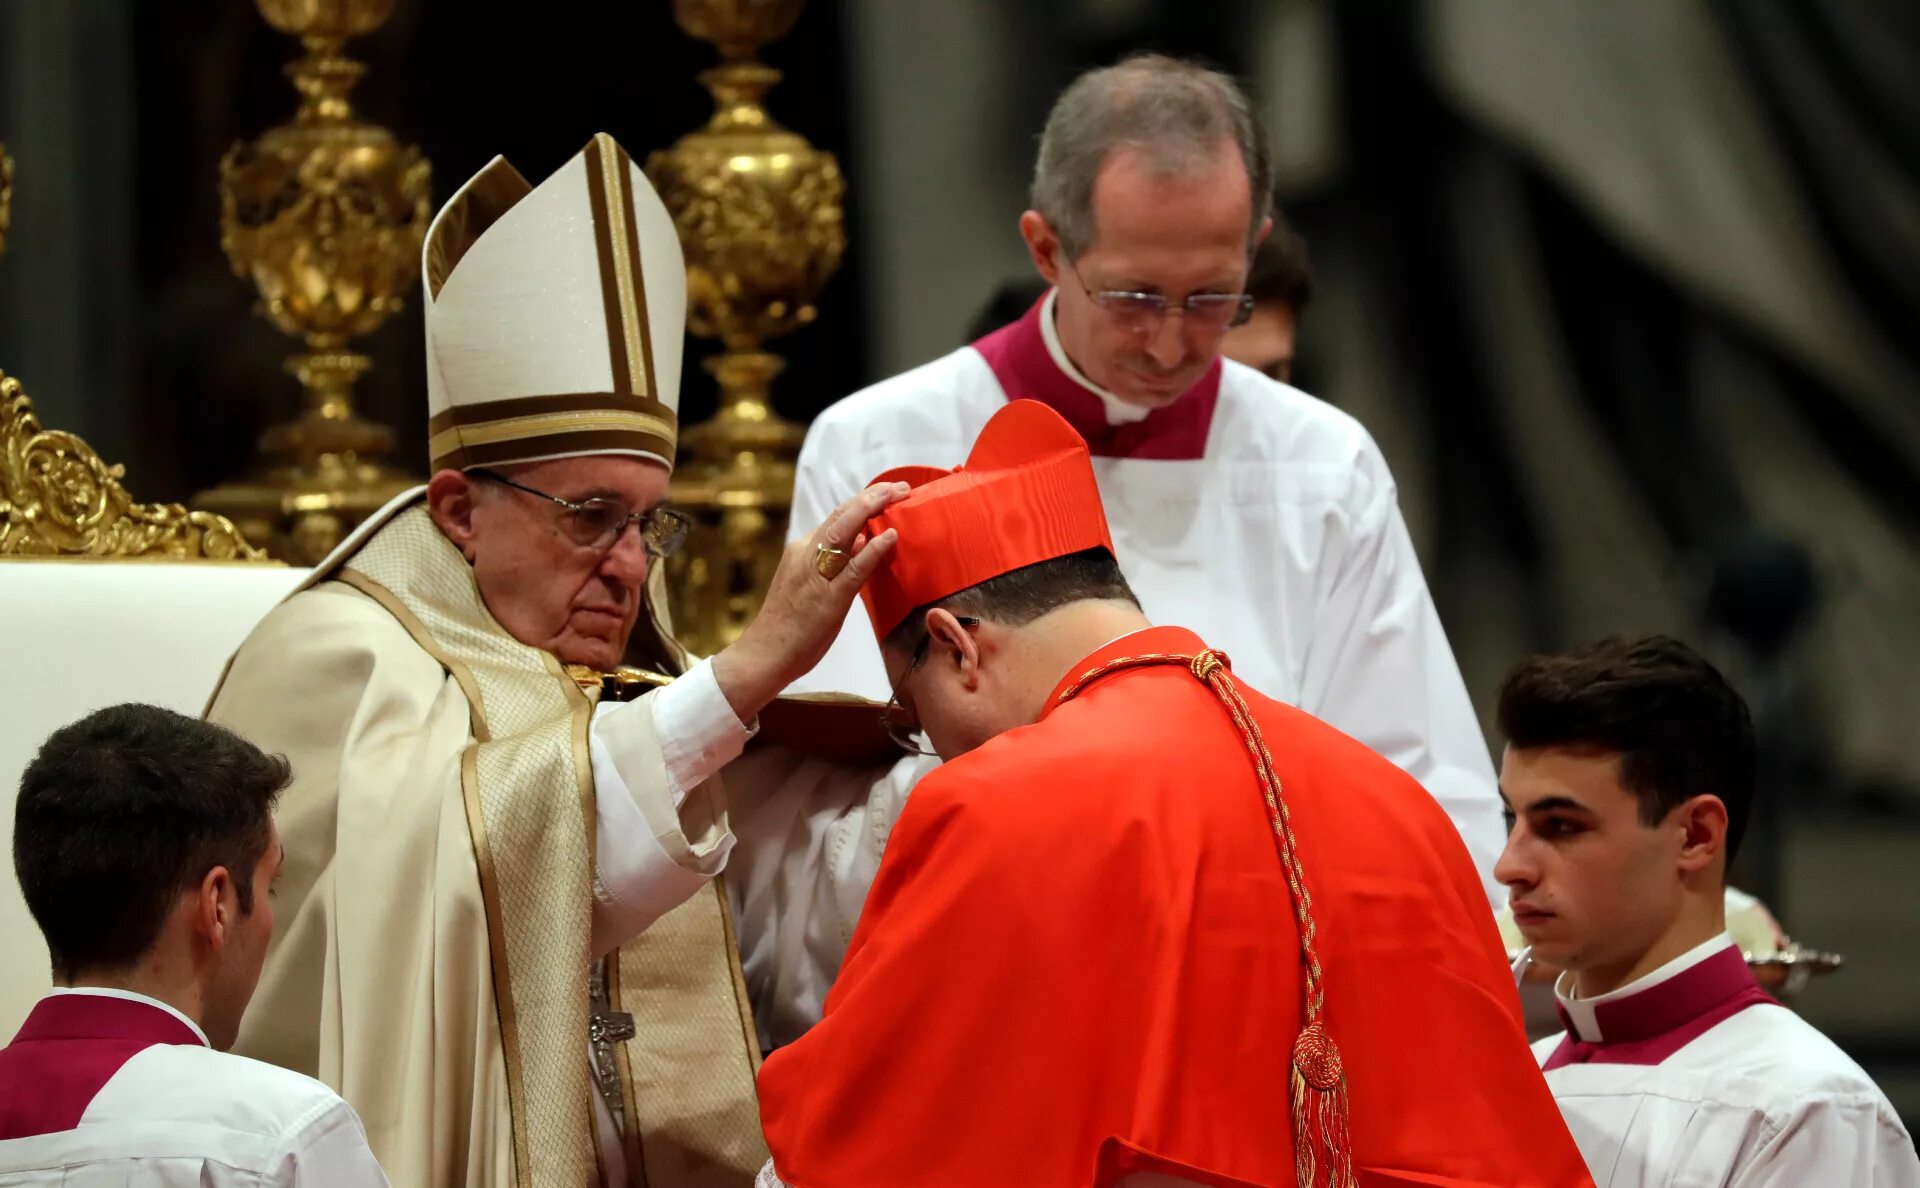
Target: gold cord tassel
1320,1137
1322,1143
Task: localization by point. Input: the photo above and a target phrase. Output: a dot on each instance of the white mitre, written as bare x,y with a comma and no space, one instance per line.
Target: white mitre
555,316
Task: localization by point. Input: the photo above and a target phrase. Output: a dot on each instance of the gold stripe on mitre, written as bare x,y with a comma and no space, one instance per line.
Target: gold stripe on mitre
531,427
616,235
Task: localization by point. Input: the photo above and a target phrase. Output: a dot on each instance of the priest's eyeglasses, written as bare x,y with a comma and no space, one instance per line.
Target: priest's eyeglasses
1144,313
902,727
598,523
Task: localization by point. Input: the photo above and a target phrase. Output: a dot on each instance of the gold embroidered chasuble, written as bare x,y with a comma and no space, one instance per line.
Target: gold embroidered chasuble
431,957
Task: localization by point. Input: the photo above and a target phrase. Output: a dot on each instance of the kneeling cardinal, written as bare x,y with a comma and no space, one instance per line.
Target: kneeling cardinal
1144,921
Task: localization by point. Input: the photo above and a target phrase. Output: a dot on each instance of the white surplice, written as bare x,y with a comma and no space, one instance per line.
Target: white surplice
175,1114
1692,1077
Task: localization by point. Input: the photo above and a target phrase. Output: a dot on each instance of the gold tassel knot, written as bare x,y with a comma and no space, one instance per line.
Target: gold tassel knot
1316,1059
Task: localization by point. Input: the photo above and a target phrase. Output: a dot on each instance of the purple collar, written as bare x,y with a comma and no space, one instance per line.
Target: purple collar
1646,1022
69,1048
1026,370
113,1017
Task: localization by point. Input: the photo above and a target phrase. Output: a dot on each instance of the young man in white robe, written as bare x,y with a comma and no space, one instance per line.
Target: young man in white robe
145,847
1629,770
1261,517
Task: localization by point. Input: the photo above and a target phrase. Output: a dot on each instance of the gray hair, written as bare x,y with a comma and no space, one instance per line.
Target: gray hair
1176,112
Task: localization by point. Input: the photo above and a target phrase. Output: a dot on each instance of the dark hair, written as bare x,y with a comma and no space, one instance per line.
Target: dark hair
1679,728
122,811
1020,596
1282,271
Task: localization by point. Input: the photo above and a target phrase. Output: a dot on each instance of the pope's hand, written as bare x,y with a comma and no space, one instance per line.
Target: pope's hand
812,591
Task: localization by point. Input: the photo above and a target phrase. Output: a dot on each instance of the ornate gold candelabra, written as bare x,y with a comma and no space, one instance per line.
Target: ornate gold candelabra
759,214
325,215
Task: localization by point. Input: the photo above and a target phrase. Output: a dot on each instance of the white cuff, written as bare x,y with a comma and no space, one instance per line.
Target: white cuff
635,880
699,732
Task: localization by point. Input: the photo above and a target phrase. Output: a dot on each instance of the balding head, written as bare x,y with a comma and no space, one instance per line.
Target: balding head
1175,114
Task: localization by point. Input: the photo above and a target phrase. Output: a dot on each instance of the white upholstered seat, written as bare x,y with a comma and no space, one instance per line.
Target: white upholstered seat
79,634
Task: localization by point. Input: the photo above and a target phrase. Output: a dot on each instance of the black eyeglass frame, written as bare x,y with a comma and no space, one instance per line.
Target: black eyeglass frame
899,729
675,524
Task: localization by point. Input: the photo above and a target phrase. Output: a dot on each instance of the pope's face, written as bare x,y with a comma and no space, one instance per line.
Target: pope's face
577,602
1170,236
1592,887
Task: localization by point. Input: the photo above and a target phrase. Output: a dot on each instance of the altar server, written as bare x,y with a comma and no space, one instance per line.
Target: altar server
145,847
1629,769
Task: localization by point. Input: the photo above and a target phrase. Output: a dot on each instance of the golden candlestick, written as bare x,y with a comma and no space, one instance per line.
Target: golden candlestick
325,215
759,215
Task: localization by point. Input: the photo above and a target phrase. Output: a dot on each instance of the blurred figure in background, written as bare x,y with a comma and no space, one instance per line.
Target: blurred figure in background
1280,283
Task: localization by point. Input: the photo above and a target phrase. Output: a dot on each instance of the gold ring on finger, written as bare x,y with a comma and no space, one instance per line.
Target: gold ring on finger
829,560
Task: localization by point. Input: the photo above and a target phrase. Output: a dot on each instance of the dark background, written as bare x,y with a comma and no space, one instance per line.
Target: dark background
463,91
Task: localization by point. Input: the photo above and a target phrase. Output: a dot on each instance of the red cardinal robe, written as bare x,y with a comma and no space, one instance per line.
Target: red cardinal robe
1080,959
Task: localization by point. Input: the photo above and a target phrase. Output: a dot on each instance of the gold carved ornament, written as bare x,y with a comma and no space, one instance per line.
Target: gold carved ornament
759,214
59,499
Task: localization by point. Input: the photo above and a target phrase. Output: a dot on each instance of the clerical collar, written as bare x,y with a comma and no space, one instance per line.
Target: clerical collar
1119,412
1029,364
1682,989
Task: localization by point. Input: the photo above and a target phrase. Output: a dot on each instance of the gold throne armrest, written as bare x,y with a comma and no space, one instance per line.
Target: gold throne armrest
58,498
